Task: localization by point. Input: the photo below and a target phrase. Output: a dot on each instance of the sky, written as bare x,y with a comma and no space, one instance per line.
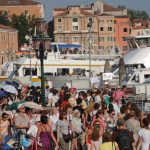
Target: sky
132,4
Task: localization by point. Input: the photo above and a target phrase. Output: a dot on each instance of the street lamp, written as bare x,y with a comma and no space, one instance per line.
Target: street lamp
41,43
89,26
2,57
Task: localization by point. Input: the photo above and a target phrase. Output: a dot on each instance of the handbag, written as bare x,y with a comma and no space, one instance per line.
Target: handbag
66,137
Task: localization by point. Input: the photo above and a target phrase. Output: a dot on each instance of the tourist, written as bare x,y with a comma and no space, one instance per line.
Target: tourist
63,126
96,136
123,137
22,121
133,125
144,136
108,143
4,127
45,134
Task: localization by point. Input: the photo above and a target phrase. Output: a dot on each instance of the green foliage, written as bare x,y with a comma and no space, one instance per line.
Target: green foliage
4,18
23,23
137,14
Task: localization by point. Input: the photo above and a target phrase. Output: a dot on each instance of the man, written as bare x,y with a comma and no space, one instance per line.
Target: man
123,137
22,120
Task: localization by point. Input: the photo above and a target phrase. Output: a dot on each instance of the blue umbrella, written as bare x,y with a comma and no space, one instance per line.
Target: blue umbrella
2,93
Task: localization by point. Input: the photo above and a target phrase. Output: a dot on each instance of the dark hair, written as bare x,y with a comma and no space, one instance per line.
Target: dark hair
107,137
111,106
44,119
61,114
96,106
145,122
99,112
79,101
148,117
4,114
95,132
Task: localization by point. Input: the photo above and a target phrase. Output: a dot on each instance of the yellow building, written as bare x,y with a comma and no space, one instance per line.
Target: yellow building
18,7
8,43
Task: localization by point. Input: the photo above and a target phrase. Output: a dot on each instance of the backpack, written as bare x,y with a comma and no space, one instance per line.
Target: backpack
124,140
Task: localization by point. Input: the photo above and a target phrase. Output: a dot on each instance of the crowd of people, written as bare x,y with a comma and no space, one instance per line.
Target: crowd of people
97,119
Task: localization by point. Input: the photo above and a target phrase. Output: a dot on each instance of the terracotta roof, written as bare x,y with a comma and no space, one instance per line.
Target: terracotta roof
17,2
109,8
59,9
86,13
7,28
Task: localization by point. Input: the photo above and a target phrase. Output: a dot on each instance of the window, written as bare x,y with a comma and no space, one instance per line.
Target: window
75,28
101,28
59,28
110,39
26,12
125,48
59,20
124,38
27,71
101,48
74,19
125,30
147,77
101,39
75,39
109,28
90,19
109,21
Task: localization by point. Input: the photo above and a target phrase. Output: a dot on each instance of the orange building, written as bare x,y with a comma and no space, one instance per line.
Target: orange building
8,43
122,30
22,6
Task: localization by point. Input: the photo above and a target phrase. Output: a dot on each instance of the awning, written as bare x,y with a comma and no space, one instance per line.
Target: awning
66,45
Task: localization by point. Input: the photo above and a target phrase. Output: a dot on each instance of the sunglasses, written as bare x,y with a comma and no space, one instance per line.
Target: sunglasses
22,108
5,117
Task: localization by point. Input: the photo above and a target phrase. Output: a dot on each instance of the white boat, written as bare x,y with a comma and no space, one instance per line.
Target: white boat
56,64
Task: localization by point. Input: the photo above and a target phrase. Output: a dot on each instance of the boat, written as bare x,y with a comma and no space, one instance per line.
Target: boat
57,64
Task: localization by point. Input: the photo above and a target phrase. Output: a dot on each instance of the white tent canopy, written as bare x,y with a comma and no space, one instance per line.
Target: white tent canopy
138,56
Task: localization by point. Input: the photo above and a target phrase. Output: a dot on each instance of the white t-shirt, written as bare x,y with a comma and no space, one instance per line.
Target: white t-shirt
145,135
32,130
54,119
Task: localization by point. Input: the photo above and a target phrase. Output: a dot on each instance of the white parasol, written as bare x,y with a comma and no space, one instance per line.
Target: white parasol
10,89
33,105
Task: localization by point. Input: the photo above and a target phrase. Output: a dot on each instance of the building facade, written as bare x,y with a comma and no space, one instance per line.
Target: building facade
28,7
70,26
122,30
8,43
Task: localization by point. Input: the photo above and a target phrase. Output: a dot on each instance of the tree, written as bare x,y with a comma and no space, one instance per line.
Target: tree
137,14
4,18
24,25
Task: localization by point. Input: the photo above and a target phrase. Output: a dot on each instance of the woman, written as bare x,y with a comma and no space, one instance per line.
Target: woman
63,129
77,128
96,136
99,117
53,119
108,144
144,135
45,134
